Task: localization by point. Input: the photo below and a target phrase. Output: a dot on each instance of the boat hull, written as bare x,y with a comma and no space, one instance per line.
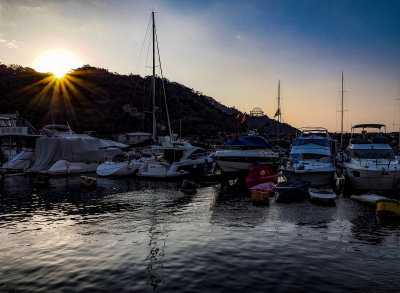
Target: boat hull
291,192
159,170
373,180
241,164
117,169
322,195
63,167
316,179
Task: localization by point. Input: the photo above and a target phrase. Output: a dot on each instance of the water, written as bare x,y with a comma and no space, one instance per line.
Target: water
130,235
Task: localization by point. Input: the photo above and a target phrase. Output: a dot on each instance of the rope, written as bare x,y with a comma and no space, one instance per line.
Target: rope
163,86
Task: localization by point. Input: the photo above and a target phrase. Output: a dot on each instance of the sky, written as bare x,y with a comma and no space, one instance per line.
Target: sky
233,51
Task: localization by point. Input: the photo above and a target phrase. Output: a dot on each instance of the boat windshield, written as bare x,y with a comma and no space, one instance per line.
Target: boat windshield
313,139
318,157
4,123
371,154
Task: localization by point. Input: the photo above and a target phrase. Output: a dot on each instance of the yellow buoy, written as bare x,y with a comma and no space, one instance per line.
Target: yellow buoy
388,207
88,181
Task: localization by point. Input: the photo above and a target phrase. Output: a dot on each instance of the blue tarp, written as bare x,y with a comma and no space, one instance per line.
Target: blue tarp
313,139
250,141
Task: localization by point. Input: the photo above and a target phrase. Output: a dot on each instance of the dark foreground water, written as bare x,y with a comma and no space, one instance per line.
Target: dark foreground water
131,235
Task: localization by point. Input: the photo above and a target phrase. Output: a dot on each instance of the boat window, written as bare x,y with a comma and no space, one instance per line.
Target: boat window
5,123
315,140
373,154
196,154
173,155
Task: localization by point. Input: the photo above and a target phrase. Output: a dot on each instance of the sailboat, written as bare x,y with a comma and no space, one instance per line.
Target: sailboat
172,158
130,166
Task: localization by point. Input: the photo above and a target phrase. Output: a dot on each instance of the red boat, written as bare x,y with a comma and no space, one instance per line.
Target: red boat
260,174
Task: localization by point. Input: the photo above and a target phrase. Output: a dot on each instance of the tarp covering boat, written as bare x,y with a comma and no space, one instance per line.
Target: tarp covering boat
250,141
73,148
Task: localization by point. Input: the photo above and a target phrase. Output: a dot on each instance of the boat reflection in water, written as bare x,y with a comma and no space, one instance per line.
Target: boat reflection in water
135,235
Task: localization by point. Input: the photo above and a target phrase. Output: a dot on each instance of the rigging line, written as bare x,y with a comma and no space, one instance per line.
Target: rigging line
141,57
142,47
145,80
163,86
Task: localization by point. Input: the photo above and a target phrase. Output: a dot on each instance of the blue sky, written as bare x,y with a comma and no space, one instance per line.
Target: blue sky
234,51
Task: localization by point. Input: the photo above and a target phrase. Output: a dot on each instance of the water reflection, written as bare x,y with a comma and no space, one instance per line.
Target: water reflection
234,208
137,235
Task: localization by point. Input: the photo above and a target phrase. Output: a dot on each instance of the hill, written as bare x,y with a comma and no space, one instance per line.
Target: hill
95,99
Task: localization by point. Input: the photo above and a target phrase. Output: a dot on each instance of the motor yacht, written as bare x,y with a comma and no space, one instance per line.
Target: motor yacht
175,159
369,162
311,158
17,143
238,155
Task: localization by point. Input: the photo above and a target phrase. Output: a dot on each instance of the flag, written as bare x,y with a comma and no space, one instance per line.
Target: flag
237,116
244,118
277,113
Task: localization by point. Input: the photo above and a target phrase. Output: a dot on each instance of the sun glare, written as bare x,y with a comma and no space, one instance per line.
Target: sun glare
58,62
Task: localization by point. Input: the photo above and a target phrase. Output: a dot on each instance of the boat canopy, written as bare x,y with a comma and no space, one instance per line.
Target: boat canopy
379,126
73,148
311,139
250,141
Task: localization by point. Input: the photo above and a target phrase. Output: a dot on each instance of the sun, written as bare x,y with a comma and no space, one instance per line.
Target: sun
59,62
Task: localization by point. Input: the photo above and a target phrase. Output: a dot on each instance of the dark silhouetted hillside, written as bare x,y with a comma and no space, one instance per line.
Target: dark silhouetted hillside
92,98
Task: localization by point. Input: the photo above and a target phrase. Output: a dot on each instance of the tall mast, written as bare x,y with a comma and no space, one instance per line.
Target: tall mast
341,124
154,80
279,105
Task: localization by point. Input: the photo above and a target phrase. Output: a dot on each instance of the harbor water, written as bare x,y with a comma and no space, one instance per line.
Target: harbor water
132,235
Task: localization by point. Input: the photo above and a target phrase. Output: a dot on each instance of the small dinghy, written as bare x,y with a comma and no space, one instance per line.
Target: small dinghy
388,208
188,186
325,195
368,198
261,192
291,190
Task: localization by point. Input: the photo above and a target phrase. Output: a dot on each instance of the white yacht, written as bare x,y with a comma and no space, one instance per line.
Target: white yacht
17,142
175,159
369,162
122,165
311,158
240,154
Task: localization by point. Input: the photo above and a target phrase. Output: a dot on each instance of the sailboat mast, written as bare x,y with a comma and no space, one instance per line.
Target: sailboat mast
341,124
154,80
279,105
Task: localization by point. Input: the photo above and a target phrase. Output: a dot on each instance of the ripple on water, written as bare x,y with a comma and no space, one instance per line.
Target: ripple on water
135,235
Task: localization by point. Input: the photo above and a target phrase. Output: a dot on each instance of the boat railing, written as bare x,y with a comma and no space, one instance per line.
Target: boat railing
312,163
232,147
374,162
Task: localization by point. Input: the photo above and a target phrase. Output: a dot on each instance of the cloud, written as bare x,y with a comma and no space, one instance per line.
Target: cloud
9,44
12,44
